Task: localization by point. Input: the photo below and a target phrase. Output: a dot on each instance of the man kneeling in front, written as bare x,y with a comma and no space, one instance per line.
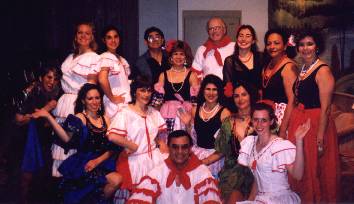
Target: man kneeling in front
182,178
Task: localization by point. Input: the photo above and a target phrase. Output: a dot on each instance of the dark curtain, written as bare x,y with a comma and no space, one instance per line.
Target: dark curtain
40,33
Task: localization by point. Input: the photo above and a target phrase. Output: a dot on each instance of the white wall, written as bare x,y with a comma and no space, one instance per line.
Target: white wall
159,13
253,12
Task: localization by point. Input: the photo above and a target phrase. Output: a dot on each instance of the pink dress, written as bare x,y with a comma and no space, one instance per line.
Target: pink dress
270,169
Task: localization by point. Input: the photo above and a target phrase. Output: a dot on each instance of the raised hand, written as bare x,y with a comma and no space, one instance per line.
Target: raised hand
302,130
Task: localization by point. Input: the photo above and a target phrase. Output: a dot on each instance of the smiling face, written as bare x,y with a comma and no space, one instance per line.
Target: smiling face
92,101
155,40
216,29
261,122
143,95
112,40
245,39
84,35
178,58
49,81
180,150
242,99
275,45
307,49
211,93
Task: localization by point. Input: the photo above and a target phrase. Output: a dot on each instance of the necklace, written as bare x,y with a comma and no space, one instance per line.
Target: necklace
268,72
259,155
212,112
301,77
248,58
178,70
172,84
306,69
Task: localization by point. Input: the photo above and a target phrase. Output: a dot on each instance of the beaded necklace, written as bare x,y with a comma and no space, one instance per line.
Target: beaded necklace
184,75
247,60
301,76
212,111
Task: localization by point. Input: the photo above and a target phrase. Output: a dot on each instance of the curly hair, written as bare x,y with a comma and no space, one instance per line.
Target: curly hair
178,45
80,106
211,79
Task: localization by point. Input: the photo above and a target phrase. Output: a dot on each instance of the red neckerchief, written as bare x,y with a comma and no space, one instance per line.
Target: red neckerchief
210,45
192,164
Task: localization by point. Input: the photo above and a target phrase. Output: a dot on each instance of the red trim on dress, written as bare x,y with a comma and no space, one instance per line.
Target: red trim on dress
149,192
122,167
137,201
206,191
282,150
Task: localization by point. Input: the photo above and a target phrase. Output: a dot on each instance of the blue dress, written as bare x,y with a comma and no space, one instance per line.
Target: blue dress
79,186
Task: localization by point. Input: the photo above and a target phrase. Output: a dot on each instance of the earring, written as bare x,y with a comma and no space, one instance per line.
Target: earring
185,63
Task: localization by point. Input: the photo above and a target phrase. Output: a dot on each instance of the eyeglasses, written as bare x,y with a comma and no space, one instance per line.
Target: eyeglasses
215,28
152,38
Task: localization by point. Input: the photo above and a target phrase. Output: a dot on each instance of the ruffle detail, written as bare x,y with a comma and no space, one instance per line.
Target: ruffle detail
245,151
283,154
115,65
86,64
203,188
153,190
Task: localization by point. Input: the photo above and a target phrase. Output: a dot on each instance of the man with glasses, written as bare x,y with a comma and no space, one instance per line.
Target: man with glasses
154,61
209,58
182,178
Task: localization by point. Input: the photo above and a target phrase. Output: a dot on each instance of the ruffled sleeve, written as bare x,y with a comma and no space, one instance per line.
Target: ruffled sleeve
283,153
107,60
147,191
87,64
119,125
207,192
77,130
246,150
125,65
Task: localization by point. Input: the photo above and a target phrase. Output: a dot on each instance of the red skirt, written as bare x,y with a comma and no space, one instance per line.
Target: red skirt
321,175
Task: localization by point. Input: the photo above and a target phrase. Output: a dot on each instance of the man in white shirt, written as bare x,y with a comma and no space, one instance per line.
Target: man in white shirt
209,58
181,178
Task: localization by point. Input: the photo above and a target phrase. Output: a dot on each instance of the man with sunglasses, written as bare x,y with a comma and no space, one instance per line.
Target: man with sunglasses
182,178
154,61
209,58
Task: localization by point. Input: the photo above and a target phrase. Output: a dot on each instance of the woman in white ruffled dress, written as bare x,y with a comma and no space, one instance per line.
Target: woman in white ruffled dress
113,73
271,158
78,69
139,124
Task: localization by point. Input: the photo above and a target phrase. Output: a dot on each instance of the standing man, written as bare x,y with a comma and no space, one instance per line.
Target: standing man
209,58
154,61
182,178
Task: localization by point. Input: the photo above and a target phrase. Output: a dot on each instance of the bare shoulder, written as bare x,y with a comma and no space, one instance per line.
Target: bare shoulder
225,114
82,117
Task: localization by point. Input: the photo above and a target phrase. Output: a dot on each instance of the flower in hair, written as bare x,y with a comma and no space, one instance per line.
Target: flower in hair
291,41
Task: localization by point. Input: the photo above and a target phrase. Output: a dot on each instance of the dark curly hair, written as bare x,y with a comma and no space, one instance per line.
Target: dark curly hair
182,46
177,134
315,35
80,106
211,79
290,51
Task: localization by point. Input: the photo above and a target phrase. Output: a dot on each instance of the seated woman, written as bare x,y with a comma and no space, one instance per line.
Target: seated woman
235,181
136,127
91,170
207,117
271,158
177,85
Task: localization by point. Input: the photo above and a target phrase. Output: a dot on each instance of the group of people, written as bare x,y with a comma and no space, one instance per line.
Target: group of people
226,125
